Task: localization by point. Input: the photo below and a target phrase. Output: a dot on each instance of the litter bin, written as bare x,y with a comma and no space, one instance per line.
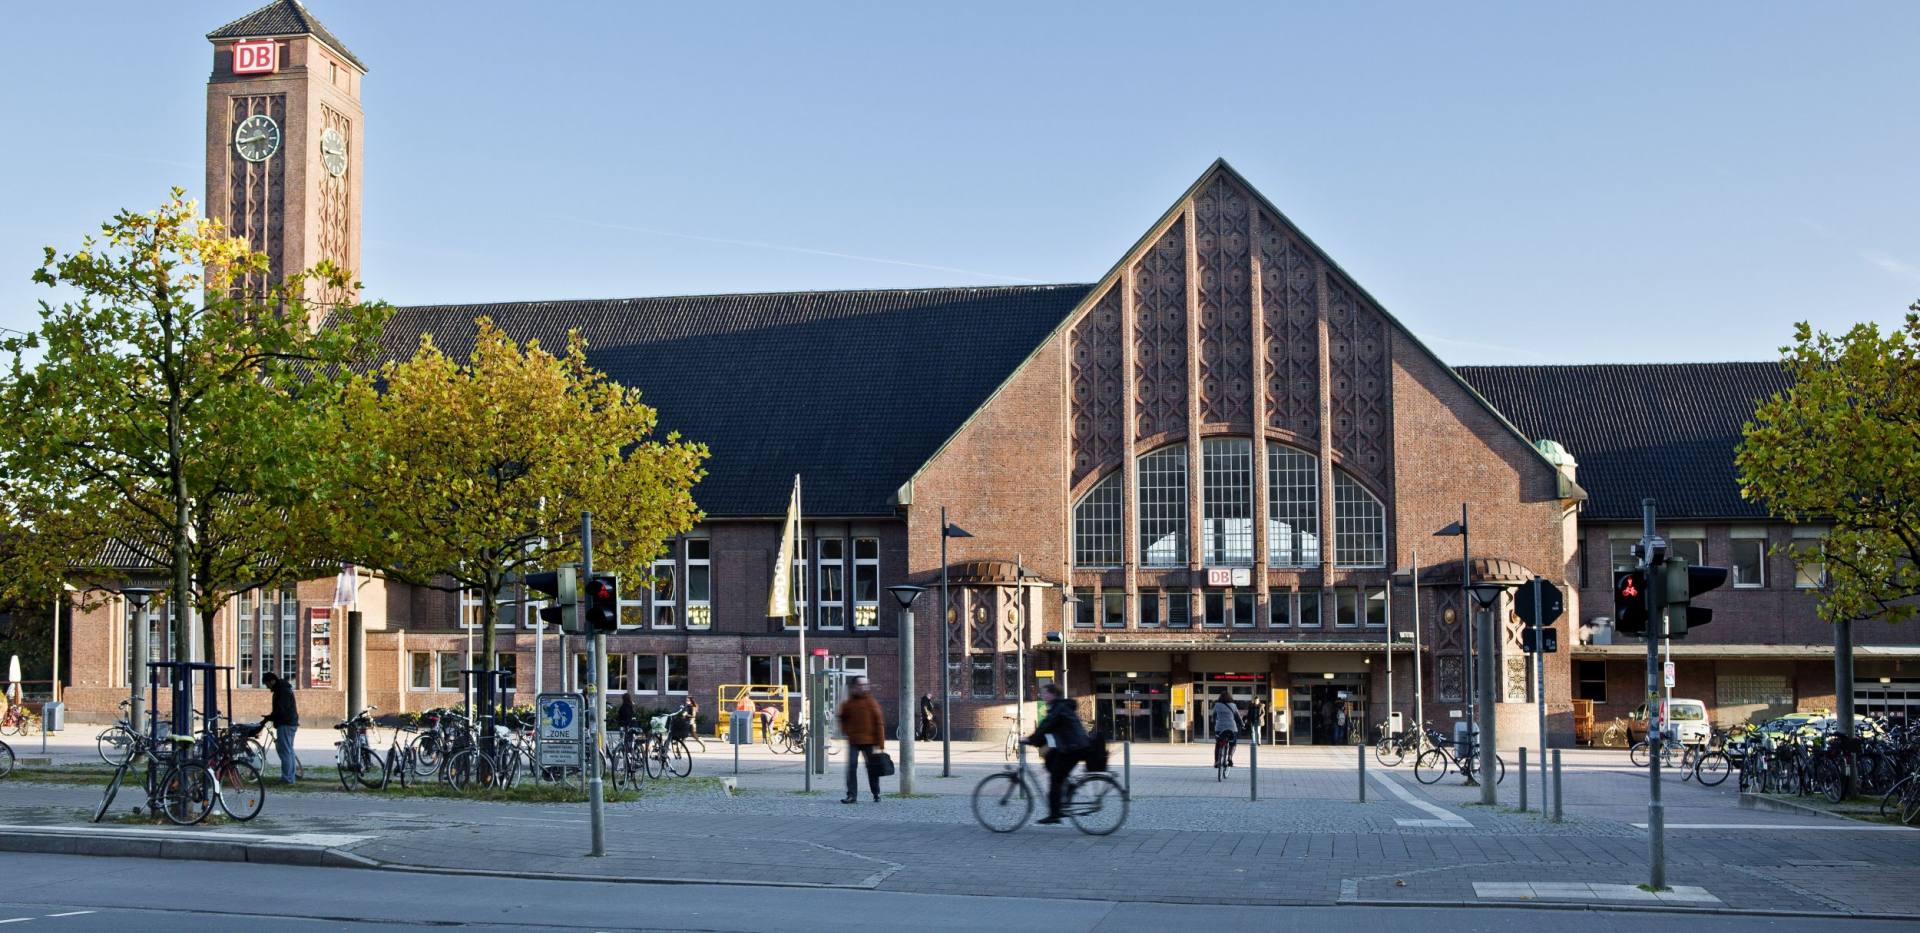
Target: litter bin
1463,736
54,717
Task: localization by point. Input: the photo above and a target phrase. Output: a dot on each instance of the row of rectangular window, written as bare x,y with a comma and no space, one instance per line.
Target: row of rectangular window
1350,607
636,673
1226,529
1746,558
661,605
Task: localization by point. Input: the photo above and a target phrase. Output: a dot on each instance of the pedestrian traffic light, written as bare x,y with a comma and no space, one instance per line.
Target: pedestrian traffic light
1630,602
562,586
1683,583
602,603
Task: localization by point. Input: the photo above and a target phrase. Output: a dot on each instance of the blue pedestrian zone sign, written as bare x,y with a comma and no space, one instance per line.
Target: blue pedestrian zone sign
558,730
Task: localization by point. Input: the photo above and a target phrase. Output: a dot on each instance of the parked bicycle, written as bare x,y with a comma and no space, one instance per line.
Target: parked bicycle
1434,763
354,757
18,720
115,742
1092,799
1391,750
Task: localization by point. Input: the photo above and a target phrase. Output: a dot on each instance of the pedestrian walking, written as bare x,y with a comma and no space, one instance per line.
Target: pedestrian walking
865,728
1340,725
285,717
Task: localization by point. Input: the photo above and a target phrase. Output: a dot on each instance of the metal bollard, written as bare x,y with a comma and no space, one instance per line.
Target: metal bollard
1523,779
1126,766
1556,785
1253,768
1362,749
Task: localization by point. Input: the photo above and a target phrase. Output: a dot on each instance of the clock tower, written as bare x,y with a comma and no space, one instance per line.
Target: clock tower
284,131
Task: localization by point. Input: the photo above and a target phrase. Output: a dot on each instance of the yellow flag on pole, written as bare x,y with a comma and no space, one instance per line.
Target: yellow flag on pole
780,601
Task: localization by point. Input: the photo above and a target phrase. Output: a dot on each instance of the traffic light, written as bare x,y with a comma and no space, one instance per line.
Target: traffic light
602,602
562,585
1630,602
1683,583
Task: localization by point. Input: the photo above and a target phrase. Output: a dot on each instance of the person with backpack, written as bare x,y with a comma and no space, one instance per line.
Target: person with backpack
1065,742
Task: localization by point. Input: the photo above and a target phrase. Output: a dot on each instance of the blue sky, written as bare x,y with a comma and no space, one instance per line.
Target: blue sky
1516,182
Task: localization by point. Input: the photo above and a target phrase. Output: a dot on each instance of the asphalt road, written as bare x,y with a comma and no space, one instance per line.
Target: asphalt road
72,894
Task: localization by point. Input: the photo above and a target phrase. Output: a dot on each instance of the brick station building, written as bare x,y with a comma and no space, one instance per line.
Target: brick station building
1224,450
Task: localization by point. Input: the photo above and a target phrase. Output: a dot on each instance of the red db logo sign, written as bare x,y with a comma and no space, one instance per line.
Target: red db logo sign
252,58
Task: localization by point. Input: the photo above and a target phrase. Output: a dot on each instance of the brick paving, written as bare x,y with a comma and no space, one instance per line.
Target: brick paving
1308,842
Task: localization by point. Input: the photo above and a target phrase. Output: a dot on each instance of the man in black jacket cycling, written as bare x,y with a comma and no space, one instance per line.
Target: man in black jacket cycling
1065,741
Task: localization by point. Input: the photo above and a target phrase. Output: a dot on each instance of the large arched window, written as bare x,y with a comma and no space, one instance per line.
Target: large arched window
1293,507
1226,501
1097,525
1163,507
1359,525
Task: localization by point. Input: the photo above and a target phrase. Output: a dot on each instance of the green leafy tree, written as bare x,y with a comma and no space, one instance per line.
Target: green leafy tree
173,405
463,475
1842,445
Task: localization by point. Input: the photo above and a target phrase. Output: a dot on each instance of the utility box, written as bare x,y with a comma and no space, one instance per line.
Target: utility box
1395,723
53,718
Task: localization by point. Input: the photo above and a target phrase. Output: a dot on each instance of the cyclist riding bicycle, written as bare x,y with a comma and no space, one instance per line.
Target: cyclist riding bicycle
1226,727
1065,741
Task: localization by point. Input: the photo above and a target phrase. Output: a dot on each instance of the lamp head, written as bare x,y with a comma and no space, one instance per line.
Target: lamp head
136,596
954,531
906,593
1453,530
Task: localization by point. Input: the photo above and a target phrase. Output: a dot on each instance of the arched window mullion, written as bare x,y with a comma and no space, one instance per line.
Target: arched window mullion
1359,524
1162,482
1293,507
1098,525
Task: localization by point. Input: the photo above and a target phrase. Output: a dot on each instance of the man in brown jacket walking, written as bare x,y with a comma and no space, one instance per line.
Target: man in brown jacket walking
865,728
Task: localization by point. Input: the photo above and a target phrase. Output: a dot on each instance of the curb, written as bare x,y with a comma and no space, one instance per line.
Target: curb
237,849
1615,907
1758,802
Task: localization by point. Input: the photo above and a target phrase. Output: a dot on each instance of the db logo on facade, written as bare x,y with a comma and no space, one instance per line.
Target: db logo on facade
252,58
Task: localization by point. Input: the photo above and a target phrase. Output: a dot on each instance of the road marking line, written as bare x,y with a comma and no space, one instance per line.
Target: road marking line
1442,818
71,913
1862,827
16,920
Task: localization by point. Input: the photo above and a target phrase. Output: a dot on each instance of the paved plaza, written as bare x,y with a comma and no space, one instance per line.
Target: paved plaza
1189,838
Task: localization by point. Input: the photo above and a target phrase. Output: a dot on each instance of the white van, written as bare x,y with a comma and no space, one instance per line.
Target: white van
1688,721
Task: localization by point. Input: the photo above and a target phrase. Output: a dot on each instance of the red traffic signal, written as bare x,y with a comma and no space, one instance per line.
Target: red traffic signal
601,600
1630,602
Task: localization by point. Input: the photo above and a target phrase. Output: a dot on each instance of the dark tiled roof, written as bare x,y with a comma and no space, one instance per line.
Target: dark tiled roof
1666,430
854,390
282,18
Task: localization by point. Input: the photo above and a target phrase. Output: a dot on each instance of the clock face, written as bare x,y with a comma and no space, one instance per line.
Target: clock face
257,138
333,152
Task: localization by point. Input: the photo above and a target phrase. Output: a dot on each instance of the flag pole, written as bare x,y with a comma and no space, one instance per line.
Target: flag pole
800,622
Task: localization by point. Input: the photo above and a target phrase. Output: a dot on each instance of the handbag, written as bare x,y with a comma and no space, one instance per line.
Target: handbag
881,764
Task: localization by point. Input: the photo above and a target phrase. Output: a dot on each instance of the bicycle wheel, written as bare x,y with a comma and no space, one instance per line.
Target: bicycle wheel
242,793
113,787
1638,754
346,765
6,759
1002,802
186,794
1499,769
1830,781
679,761
1096,804
373,769
426,755
1892,802
470,769
1431,766
1389,753
1711,768
115,744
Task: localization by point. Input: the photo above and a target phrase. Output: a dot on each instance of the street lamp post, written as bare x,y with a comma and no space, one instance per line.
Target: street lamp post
1485,597
1470,673
137,598
905,594
947,530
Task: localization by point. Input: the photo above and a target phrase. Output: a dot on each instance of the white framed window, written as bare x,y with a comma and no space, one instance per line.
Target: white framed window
1359,525
420,670
866,583
1113,608
508,663
1809,564
1346,607
1179,608
289,634
582,670
1226,501
1688,543
798,577
646,673
1279,608
699,584
450,664
1213,606
666,592
1310,614
1085,609
676,673
1163,507
472,607
1376,597
1622,554
1293,507
246,613
1098,524
832,587
633,606
617,680
1243,609
1149,609
1749,563
760,671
